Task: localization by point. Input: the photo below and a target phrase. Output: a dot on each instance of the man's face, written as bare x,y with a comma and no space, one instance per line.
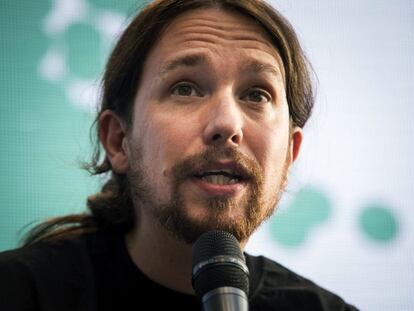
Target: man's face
210,142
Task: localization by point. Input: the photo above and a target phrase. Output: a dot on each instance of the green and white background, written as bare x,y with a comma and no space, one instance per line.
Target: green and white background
346,220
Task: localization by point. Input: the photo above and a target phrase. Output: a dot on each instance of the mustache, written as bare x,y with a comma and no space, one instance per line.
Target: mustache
188,167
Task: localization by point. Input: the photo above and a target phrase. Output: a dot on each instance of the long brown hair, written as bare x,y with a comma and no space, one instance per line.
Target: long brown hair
112,206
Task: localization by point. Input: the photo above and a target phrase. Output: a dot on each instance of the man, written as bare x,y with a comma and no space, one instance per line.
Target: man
202,115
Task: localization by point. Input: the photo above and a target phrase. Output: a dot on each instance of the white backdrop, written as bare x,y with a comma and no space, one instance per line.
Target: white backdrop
357,155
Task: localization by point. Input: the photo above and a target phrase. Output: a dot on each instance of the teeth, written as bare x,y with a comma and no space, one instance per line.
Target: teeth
219,179
222,171
227,171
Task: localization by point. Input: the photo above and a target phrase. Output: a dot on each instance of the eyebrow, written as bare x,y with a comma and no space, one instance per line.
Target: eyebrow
192,60
257,67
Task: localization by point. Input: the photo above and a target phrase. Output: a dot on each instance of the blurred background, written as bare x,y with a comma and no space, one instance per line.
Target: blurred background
346,218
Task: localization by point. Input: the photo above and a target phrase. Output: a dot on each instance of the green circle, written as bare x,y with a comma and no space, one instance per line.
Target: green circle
309,209
378,223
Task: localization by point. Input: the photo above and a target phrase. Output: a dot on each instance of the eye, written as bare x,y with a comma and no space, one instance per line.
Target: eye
184,89
257,95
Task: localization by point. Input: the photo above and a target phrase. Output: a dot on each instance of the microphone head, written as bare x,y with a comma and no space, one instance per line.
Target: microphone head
218,262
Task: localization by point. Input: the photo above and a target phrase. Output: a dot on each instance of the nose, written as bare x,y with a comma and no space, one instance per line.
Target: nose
224,122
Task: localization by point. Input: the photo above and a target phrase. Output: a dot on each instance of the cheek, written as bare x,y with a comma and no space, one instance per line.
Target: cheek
269,139
166,141
269,147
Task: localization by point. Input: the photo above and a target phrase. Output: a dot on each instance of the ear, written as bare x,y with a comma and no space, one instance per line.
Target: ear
112,134
295,143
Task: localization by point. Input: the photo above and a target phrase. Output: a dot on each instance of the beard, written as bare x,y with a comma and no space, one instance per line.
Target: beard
172,215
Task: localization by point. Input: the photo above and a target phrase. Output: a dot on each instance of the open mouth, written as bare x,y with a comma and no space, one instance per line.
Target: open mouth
222,176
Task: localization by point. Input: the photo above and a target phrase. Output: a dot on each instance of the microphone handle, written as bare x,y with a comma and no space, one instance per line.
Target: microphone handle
225,299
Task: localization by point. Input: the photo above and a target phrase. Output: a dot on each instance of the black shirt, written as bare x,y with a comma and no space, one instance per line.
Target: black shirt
95,272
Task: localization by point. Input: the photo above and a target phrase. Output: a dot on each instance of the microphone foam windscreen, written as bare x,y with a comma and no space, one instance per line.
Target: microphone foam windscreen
219,262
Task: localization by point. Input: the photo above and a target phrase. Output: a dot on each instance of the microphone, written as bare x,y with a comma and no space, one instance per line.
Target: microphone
220,276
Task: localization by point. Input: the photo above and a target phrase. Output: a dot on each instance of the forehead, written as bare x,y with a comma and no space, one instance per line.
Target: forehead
215,30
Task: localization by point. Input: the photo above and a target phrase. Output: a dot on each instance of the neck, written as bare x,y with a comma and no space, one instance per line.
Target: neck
159,256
